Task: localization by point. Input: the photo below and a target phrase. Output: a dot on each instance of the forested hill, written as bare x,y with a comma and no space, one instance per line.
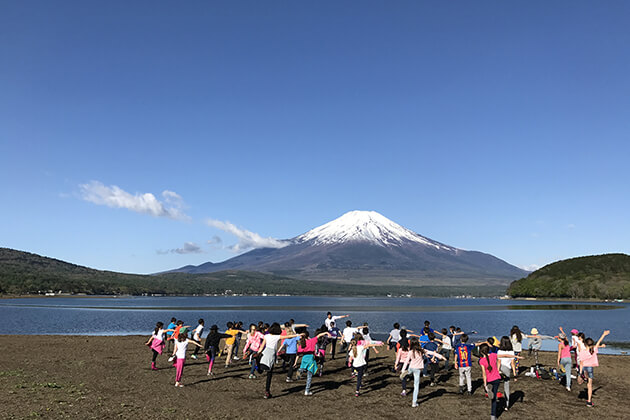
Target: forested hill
27,273
599,276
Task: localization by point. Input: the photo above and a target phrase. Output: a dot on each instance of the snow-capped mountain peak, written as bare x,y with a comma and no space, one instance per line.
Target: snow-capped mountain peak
365,226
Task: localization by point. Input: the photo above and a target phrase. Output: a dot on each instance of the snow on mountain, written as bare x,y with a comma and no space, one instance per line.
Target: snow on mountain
368,227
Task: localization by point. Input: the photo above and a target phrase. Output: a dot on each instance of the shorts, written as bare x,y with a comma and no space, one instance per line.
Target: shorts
588,371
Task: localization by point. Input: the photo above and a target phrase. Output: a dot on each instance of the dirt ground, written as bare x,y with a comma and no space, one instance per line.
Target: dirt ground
110,377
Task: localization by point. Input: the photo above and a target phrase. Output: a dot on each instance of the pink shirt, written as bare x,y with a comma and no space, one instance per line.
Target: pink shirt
254,341
401,356
491,375
414,360
565,352
309,346
588,359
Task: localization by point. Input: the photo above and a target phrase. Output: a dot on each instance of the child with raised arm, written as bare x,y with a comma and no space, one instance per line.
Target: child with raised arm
415,362
588,361
357,352
211,345
564,358
306,348
180,354
254,340
267,352
156,343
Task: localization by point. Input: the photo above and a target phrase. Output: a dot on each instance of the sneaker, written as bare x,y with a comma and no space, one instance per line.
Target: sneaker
414,405
267,395
308,393
590,404
432,384
193,357
252,376
170,359
404,393
235,358
356,394
288,380
569,389
468,393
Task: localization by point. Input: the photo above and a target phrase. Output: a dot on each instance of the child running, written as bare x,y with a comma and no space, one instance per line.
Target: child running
180,354
415,362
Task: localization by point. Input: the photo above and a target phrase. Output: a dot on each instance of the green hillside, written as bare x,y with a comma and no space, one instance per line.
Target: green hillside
26,273
598,276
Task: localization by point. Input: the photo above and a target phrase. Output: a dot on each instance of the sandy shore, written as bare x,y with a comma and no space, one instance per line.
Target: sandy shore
110,377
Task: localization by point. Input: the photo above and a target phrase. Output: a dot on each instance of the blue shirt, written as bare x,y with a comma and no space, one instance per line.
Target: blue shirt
463,352
171,326
431,346
291,344
424,339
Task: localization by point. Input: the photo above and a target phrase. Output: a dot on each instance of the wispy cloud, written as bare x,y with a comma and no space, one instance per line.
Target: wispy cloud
246,240
113,196
188,248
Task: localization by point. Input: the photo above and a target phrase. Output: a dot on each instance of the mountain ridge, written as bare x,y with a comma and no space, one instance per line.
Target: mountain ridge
366,247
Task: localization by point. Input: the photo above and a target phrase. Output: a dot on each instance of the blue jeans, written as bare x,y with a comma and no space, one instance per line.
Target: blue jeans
416,385
567,363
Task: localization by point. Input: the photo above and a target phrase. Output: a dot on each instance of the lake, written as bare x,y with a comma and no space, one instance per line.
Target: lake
138,315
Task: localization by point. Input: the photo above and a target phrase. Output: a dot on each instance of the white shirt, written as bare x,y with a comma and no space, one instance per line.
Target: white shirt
446,343
395,335
327,321
360,359
159,335
180,349
505,362
348,332
198,332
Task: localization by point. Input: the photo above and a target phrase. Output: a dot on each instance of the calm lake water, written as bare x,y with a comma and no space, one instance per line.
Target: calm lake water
138,315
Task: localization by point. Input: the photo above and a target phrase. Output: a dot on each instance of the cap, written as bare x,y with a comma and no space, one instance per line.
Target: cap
534,331
574,331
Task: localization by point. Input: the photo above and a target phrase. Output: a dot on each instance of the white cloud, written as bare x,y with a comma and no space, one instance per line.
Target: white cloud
246,240
113,196
188,248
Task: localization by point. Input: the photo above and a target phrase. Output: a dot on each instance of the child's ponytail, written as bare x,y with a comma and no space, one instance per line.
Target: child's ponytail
484,349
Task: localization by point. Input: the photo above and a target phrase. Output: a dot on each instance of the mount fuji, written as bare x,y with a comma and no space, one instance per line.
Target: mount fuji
365,247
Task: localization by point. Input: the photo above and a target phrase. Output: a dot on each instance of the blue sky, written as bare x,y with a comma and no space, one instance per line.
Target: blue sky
496,126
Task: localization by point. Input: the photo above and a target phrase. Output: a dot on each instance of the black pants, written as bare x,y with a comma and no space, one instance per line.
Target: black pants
360,370
196,350
494,385
334,347
290,358
433,368
155,355
269,376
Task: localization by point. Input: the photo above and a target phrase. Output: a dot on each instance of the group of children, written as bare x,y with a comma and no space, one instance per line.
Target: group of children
416,354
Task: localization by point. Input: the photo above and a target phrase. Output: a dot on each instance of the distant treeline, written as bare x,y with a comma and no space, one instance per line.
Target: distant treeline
599,276
26,273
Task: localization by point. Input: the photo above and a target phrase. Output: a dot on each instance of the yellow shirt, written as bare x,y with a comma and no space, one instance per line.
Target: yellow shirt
233,333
